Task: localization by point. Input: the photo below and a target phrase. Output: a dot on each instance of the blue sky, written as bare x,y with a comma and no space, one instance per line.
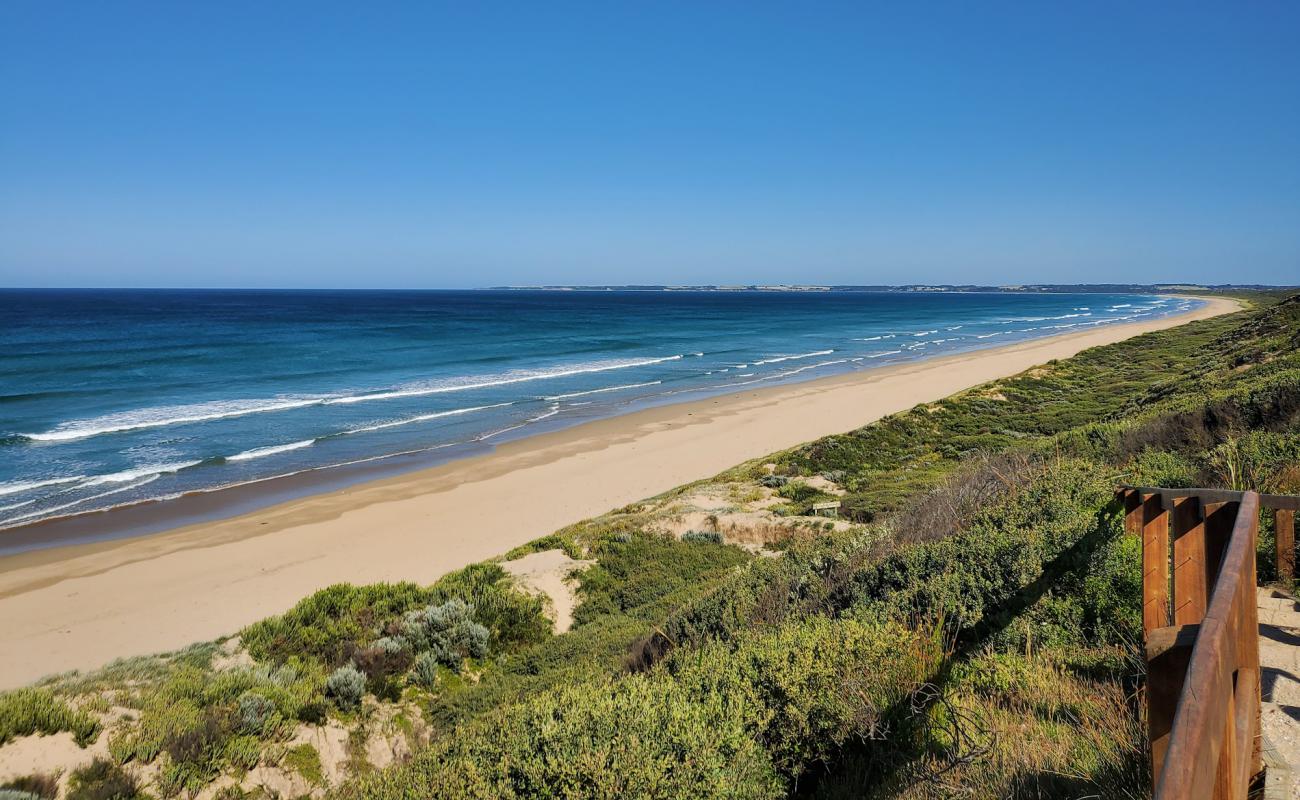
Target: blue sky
469,144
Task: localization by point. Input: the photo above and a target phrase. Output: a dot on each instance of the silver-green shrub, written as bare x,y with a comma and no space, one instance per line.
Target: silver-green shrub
425,672
345,686
446,632
392,645
256,713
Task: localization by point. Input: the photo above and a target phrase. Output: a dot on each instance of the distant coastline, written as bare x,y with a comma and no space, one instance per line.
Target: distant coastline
1035,288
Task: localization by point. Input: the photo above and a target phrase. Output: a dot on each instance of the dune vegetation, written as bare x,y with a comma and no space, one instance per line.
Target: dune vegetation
968,625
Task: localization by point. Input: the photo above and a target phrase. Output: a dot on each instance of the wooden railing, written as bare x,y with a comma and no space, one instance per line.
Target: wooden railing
1202,633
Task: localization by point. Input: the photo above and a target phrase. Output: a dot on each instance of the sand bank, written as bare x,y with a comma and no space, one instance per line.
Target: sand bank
83,605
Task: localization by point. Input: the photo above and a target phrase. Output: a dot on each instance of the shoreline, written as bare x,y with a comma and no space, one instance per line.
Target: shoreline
80,605
146,516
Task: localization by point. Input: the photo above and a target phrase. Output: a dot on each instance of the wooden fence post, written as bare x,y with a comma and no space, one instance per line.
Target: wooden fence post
1155,562
1218,520
1168,653
1284,529
1191,589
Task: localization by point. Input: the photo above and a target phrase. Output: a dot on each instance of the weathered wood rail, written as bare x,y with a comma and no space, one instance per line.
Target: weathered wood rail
1202,632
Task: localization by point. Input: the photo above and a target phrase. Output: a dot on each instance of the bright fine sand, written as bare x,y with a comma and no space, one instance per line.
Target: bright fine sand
81,606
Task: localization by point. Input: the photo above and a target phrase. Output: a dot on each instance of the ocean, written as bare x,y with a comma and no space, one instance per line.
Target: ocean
114,397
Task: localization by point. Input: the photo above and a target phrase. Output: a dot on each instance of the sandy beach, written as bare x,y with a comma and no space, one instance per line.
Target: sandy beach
80,606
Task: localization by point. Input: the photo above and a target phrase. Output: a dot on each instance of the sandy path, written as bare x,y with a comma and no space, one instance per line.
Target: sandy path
81,606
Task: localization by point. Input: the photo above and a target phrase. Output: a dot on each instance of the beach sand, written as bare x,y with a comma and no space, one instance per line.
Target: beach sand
80,606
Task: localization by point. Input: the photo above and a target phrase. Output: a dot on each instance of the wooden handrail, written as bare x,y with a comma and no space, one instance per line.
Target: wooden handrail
1202,637
1284,502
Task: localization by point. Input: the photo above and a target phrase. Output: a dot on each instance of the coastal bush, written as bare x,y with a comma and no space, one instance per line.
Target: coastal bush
30,710
17,794
102,780
425,672
321,626
304,759
634,573
345,686
256,713
332,625
636,737
710,537
729,721
675,573
446,632
199,723
514,618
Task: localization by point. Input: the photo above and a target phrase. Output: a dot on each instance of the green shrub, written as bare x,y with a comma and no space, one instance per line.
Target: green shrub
636,737
243,752
101,780
305,760
634,574
27,711
324,624
725,721
209,722
815,685
332,625
705,537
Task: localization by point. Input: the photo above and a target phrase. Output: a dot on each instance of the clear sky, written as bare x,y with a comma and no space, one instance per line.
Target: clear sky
427,144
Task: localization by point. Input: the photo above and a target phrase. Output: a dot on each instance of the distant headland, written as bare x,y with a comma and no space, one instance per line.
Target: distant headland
1028,288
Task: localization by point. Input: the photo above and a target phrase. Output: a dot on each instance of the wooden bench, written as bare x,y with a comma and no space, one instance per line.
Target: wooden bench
831,507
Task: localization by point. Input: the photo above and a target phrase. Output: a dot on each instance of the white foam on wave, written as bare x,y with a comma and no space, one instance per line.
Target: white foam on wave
161,416
17,505
550,412
379,426
147,471
261,452
925,333
777,359
886,353
1123,305
79,501
606,389
1009,320
787,373
517,376
26,486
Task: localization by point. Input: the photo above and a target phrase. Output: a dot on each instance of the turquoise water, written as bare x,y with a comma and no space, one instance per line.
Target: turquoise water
112,397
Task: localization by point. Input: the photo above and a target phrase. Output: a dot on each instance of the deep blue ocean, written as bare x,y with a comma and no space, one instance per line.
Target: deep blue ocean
110,397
